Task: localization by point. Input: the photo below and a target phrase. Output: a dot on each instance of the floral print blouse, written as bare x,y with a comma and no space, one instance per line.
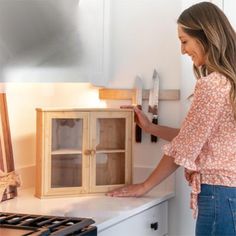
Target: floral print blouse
206,143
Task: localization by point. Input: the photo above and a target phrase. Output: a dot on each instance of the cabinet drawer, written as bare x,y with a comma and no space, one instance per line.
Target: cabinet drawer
153,221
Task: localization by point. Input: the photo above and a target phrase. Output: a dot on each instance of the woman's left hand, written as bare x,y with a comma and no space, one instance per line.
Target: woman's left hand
133,190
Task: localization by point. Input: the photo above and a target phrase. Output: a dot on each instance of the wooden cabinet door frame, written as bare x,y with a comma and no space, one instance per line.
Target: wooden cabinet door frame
128,148
46,170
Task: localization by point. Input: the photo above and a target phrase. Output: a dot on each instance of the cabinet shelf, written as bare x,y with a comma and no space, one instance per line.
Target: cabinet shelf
110,151
66,151
76,151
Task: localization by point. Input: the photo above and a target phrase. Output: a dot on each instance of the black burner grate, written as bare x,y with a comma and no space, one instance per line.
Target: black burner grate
26,224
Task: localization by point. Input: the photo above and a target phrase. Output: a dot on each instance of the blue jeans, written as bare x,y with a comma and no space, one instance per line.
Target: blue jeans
216,211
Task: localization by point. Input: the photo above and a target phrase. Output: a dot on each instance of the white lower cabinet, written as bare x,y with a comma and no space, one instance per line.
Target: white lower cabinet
150,222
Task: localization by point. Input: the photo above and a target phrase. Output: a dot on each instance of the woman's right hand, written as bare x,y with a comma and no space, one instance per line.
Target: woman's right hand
132,190
140,118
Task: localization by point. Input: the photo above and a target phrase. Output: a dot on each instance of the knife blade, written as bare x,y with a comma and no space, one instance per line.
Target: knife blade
138,100
153,100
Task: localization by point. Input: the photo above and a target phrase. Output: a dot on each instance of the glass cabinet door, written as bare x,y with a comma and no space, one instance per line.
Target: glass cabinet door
66,170
110,168
67,135
66,163
111,149
66,158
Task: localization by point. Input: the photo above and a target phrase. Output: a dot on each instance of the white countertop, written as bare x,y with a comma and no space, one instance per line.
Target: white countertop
105,211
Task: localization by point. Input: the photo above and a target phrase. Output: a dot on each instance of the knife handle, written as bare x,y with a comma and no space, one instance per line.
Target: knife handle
138,130
154,121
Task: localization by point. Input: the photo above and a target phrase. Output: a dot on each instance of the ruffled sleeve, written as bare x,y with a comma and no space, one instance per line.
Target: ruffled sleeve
208,101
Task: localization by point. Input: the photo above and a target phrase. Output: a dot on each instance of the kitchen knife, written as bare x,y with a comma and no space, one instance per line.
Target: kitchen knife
138,100
153,101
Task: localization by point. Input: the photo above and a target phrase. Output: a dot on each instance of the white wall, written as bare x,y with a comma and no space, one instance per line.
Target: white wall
229,9
142,41
23,98
139,43
144,36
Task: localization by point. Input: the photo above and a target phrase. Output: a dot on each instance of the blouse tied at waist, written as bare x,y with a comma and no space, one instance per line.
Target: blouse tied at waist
194,180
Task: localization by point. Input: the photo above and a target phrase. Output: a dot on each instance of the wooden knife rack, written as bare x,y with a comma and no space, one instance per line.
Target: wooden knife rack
127,94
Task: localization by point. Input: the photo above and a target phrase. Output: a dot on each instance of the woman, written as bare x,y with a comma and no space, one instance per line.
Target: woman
206,142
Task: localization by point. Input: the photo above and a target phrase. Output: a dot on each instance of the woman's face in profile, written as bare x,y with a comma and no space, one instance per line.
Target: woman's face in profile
192,47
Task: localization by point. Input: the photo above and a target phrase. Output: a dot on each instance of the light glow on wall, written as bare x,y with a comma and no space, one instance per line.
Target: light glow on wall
24,98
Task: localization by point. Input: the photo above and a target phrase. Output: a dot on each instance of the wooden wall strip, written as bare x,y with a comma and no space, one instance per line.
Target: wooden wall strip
126,94
119,94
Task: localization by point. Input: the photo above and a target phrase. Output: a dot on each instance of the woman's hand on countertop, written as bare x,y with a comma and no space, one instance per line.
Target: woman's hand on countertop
133,190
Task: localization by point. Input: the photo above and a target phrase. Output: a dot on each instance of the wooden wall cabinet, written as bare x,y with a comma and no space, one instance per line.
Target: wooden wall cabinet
81,151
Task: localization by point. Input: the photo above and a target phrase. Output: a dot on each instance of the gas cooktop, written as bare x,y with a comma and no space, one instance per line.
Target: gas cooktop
14,224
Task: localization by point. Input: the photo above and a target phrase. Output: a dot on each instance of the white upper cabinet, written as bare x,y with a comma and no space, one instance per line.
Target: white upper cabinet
54,41
229,7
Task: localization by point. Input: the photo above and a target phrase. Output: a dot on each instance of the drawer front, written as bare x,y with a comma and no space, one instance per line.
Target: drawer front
151,222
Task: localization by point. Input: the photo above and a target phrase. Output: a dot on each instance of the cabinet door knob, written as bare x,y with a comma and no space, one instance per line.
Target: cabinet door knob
87,152
154,226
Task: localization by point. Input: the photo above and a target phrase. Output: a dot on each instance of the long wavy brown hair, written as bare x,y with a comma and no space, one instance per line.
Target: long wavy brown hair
208,24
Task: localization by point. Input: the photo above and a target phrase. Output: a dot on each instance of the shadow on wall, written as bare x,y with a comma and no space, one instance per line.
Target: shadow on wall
24,150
